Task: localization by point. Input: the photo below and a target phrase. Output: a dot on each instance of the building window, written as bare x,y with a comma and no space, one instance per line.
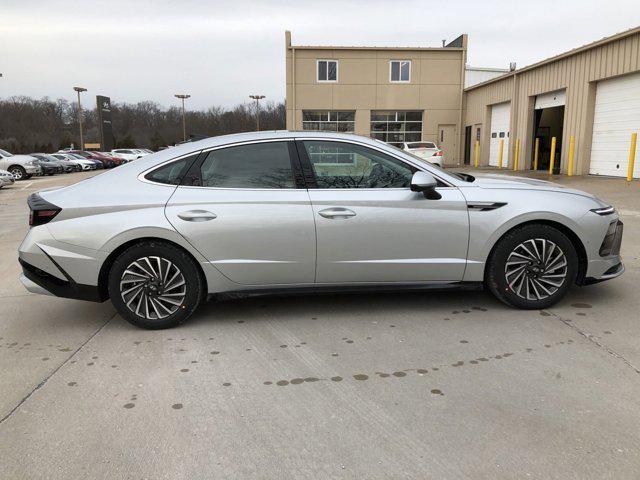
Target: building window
400,71
327,71
328,120
396,127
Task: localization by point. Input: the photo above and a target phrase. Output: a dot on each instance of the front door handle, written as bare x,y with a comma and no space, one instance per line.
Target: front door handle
337,213
197,216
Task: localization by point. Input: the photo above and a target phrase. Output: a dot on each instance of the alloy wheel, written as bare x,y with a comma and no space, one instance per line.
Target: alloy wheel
17,173
536,269
153,287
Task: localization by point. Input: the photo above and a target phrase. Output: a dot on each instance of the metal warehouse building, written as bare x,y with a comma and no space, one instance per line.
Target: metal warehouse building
591,93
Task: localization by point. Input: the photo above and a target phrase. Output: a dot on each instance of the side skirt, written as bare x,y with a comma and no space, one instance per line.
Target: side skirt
347,289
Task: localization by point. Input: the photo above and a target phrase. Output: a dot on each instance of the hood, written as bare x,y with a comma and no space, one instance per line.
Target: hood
490,180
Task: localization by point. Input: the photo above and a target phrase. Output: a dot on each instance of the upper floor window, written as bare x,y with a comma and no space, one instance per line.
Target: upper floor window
327,70
328,120
400,71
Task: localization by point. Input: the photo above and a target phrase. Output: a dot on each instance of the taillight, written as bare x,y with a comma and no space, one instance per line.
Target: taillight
40,211
438,153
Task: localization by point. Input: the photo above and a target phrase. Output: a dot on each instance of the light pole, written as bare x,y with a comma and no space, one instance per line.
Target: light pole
79,90
257,98
184,125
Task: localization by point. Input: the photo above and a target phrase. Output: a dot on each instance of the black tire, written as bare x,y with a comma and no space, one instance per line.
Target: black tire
18,172
536,277
193,285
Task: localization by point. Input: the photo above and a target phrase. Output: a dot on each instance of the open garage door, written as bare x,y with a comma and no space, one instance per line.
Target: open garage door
500,118
616,117
548,123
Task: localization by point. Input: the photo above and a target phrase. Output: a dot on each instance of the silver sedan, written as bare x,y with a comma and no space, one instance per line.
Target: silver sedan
259,213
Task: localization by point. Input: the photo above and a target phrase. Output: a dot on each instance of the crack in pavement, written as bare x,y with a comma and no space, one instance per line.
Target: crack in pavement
46,379
593,340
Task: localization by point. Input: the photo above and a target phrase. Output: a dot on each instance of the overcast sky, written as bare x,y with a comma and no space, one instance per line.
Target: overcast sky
221,51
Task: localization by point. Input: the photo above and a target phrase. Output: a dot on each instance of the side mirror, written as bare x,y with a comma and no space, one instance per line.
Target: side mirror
425,182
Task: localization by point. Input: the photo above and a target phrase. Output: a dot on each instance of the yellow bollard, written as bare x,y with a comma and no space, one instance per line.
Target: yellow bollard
516,155
500,154
535,155
572,142
553,155
476,157
632,156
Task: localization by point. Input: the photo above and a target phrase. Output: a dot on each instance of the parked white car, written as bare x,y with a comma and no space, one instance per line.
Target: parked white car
20,166
128,154
428,151
6,178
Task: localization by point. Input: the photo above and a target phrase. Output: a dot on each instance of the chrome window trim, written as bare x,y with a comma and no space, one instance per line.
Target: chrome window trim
419,165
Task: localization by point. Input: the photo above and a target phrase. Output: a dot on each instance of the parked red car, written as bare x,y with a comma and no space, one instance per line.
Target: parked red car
108,162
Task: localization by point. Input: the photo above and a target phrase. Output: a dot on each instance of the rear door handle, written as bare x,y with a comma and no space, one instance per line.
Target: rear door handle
337,213
197,216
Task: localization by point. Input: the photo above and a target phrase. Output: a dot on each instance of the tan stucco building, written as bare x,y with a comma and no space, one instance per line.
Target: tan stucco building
394,94
591,93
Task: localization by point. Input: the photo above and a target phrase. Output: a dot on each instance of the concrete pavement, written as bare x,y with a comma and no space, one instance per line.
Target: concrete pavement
409,385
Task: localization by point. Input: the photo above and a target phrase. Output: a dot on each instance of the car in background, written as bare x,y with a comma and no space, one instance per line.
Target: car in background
78,164
49,167
65,165
147,150
161,235
127,153
116,158
21,167
103,162
428,151
6,179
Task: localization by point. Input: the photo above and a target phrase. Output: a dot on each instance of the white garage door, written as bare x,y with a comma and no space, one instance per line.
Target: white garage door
616,117
500,117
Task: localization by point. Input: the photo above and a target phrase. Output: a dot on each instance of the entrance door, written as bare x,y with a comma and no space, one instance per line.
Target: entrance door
467,145
372,228
247,218
500,117
448,143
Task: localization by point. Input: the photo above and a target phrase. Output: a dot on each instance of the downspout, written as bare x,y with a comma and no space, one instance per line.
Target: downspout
460,153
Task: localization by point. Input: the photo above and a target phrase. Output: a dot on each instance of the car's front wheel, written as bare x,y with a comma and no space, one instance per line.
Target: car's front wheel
532,267
155,285
18,172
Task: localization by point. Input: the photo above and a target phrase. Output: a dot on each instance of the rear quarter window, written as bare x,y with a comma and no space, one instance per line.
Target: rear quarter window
171,173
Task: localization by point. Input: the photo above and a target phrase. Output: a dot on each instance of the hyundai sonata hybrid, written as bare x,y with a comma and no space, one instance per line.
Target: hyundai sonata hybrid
268,212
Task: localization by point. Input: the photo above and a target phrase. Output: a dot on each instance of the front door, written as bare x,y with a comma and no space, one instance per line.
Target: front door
246,217
372,228
448,143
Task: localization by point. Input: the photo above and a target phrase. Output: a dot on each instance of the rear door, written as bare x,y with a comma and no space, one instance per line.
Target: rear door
248,215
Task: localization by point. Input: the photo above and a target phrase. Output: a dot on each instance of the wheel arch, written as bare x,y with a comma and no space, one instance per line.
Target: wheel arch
103,276
571,235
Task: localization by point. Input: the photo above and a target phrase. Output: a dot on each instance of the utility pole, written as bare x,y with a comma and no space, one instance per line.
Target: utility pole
257,98
80,90
183,97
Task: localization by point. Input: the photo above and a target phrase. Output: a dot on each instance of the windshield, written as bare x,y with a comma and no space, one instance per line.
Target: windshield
4,153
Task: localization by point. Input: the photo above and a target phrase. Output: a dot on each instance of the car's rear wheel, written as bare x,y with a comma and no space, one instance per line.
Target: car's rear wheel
532,267
155,285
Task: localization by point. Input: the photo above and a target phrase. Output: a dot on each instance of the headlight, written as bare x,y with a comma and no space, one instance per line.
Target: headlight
604,210
32,162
